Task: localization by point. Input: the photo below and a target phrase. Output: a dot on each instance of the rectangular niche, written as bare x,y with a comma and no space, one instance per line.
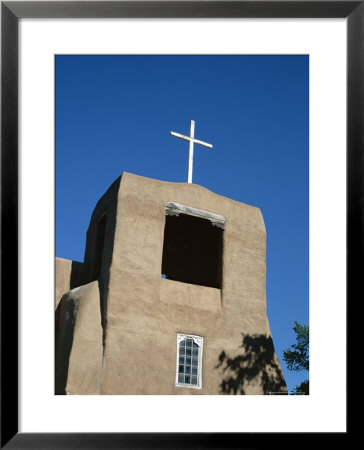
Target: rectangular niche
193,246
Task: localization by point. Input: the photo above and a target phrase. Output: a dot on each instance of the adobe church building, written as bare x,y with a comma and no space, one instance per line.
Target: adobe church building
170,298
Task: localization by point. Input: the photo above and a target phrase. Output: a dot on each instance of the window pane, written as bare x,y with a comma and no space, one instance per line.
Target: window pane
189,364
181,378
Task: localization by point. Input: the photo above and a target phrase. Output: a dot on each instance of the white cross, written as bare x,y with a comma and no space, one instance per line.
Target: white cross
192,140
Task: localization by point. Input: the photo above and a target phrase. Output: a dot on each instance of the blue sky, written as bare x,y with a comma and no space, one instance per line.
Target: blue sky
115,113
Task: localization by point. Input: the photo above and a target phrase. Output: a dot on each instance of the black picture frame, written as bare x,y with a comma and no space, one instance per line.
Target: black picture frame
11,12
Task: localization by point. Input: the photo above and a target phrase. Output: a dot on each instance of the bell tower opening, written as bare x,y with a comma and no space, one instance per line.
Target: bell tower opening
192,250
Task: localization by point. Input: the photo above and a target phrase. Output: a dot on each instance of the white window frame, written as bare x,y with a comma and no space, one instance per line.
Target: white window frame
199,341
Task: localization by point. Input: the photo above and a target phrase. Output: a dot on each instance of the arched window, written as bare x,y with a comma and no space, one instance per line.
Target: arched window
189,361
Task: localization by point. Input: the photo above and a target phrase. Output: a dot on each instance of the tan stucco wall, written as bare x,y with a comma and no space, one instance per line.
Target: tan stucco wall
63,268
80,341
142,313
68,274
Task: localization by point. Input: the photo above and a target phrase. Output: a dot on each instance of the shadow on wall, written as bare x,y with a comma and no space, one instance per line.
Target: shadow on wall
257,367
79,274
65,319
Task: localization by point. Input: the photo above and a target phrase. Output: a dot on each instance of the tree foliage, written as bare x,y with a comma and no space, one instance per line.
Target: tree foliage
302,389
297,356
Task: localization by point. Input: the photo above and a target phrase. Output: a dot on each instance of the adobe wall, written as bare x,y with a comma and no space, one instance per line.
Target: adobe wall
141,313
145,312
78,363
68,274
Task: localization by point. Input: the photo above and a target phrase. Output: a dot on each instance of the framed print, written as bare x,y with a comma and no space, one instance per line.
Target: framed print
46,41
